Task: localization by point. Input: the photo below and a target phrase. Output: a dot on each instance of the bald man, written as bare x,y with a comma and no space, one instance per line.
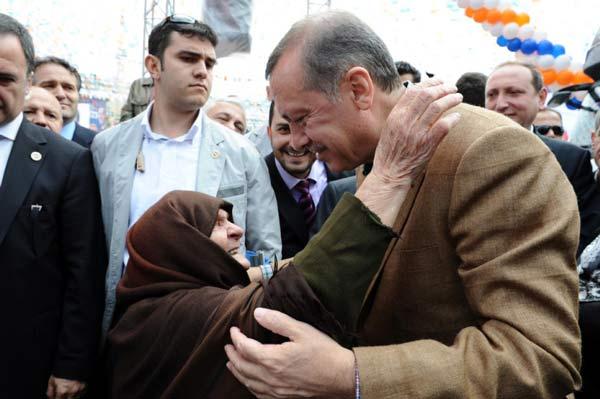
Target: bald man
43,109
229,114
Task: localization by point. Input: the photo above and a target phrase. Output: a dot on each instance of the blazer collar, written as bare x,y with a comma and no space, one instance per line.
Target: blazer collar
26,157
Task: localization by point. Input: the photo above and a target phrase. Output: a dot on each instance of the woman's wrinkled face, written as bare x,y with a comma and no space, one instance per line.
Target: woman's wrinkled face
227,235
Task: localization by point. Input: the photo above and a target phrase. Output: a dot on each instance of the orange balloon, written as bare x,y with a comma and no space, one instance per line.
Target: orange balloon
480,15
469,12
508,16
493,16
564,77
522,19
549,76
580,77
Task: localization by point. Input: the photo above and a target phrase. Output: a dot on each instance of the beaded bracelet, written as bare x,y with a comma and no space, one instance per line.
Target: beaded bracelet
356,381
267,271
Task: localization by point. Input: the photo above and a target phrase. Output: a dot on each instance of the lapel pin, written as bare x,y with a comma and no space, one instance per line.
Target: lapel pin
36,156
215,154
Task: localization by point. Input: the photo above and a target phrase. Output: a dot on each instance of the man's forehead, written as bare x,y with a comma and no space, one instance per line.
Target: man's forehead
184,42
43,97
54,72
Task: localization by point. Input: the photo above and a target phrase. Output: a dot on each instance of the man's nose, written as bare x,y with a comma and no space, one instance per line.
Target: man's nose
59,93
200,70
40,120
298,137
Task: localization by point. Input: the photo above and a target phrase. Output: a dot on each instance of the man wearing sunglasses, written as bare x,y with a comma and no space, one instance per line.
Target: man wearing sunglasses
517,91
173,145
548,122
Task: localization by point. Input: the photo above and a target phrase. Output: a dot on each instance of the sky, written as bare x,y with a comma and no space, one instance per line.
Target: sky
104,39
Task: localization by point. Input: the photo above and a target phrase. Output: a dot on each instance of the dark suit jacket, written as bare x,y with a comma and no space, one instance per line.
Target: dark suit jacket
329,199
294,231
575,162
52,263
83,136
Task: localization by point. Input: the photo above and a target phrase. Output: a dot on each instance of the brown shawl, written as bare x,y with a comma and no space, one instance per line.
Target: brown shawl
178,298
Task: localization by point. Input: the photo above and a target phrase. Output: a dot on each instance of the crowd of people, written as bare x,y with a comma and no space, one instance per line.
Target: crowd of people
383,236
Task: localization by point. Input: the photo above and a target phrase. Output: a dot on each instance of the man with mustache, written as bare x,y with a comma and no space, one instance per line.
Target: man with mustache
298,180
64,82
173,145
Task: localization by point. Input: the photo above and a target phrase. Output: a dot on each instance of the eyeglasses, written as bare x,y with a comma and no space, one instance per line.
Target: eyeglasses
544,129
179,19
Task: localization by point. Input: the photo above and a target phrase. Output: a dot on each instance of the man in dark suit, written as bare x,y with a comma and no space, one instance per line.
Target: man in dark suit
517,91
52,254
298,179
64,82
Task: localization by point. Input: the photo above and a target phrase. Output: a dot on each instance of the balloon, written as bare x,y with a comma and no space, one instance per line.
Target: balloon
493,16
549,76
573,103
526,32
476,4
508,16
510,31
528,46
576,66
496,29
545,47
463,3
469,12
501,41
486,27
514,44
558,50
539,36
489,4
564,78
545,61
522,19
562,62
480,15
580,77
504,4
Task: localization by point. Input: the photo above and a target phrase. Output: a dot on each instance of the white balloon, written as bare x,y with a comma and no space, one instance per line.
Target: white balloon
554,87
463,3
476,4
504,4
562,62
526,32
496,29
539,36
486,26
576,66
510,31
489,4
545,61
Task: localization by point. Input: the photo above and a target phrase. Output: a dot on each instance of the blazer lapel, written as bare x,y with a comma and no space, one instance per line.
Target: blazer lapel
211,160
21,169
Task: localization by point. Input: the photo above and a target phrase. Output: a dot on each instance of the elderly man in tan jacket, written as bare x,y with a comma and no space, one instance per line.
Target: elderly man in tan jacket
477,297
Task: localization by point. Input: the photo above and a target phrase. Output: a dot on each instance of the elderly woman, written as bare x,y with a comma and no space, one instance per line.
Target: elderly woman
186,285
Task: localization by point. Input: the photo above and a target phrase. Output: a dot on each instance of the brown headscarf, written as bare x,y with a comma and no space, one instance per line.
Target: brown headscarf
180,295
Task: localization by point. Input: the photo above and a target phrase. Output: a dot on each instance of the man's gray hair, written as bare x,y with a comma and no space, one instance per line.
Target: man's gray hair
9,25
537,80
331,43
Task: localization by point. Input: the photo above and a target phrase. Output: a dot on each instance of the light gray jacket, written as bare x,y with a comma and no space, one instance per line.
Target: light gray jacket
229,167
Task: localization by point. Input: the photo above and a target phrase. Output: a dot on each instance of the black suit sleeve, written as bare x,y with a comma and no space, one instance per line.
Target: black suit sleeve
83,257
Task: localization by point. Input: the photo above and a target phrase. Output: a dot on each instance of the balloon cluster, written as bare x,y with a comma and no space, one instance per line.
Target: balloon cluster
514,31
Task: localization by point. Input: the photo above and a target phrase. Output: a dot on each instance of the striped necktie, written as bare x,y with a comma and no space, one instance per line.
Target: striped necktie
306,201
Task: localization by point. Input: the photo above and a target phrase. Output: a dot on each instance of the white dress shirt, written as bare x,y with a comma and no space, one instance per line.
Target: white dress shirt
169,164
317,173
8,133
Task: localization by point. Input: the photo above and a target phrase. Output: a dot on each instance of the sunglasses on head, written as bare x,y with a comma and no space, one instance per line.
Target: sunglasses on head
179,19
544,129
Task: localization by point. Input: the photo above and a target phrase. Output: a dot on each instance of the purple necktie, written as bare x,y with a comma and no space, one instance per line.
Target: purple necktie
306,202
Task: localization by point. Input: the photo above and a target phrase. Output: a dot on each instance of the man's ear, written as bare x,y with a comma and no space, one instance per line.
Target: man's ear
153,66
358,83
28,83
543,93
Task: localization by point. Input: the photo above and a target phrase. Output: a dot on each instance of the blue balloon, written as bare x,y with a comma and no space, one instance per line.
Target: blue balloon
573,103
514,44
545,47
529,46
502,41
557,50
